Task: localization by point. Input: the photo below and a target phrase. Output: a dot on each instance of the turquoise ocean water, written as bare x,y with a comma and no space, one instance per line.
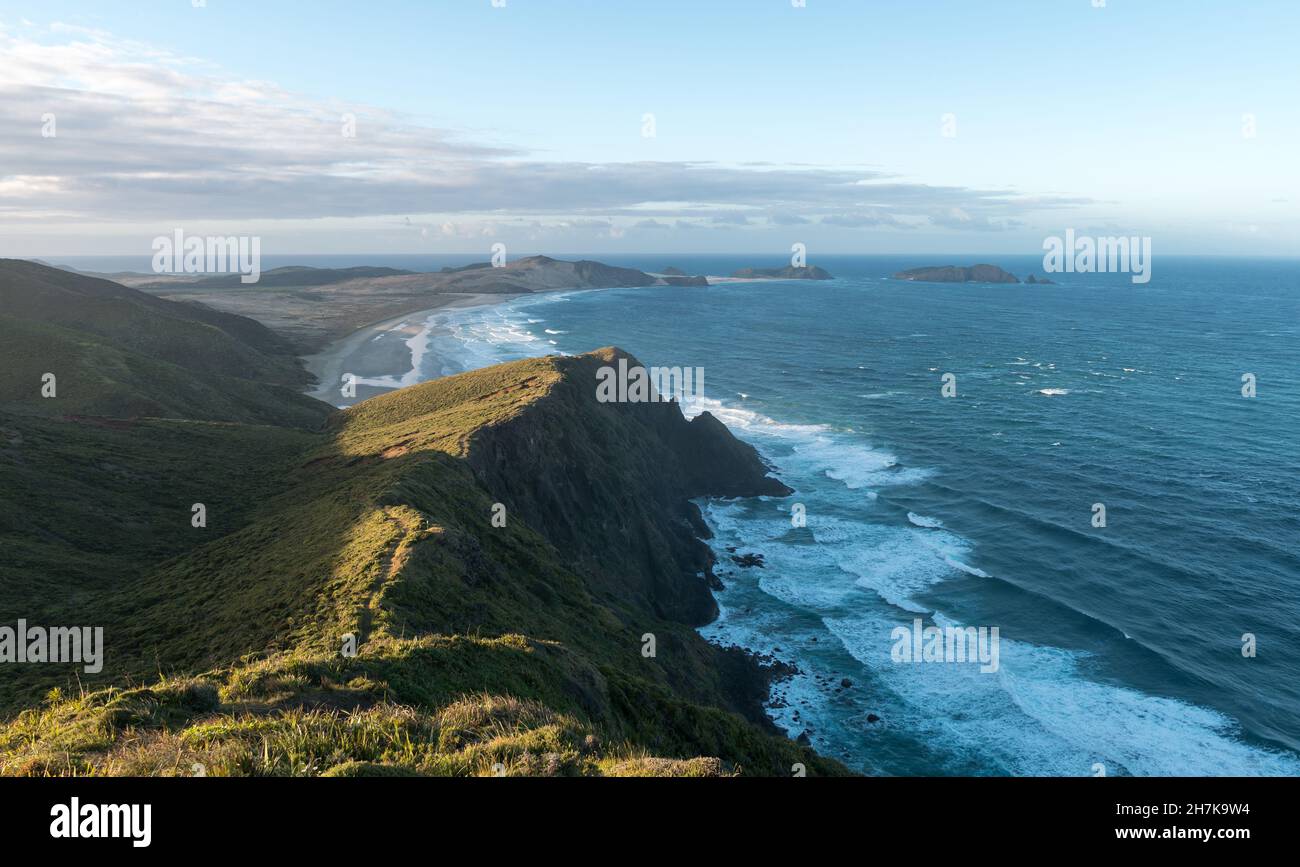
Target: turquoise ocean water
1119,646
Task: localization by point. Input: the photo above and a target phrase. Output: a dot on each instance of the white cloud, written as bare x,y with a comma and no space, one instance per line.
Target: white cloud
146,135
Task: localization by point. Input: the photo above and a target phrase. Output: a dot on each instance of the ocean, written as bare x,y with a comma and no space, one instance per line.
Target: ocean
1120,646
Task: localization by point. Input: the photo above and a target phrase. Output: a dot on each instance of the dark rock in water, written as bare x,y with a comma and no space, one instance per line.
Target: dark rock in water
731,548
1032,280
789,272
745,561
803,739
871,718
958,274
846,683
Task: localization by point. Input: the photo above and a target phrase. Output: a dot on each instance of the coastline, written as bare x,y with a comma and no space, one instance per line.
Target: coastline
375,351
401,343
827,685
374,359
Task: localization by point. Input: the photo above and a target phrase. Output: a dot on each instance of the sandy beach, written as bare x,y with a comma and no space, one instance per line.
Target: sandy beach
389,354
384,355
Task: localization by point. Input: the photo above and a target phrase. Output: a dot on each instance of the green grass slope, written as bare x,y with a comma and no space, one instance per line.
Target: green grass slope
481,649
119,352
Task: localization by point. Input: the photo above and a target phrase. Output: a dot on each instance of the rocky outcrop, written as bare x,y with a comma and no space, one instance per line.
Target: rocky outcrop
600,275
958,274
716,464
610,484
674,276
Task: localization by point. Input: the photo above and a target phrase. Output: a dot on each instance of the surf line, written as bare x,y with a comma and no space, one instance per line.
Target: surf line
953,644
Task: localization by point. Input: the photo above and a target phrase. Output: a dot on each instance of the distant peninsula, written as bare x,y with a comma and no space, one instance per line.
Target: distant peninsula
312,307
674,276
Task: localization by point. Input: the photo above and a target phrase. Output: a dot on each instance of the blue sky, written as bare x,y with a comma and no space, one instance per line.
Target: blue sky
1130,118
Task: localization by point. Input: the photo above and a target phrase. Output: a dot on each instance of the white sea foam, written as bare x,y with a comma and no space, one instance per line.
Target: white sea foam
481,336
850,461
923,521
1040,715
962,567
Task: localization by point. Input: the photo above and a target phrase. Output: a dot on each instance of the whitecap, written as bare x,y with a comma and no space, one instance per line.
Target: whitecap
923,521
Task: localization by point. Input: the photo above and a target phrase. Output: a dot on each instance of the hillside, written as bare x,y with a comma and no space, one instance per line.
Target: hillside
119,352
481,649
312,306
292,275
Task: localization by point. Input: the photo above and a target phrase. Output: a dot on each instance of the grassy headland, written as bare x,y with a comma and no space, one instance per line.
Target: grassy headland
480,648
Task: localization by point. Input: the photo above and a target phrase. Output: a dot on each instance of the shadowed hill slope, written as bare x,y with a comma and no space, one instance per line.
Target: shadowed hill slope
480,648
120,352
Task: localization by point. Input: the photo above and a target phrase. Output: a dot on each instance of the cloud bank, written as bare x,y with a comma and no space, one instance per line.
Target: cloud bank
97,130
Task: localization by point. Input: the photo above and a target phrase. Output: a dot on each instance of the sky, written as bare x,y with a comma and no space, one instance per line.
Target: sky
850,126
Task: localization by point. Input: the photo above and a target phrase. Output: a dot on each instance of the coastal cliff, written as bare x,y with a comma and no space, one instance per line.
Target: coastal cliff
489,571
569,450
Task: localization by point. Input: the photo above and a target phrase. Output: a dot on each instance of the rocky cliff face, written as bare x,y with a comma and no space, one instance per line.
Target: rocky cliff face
610,485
